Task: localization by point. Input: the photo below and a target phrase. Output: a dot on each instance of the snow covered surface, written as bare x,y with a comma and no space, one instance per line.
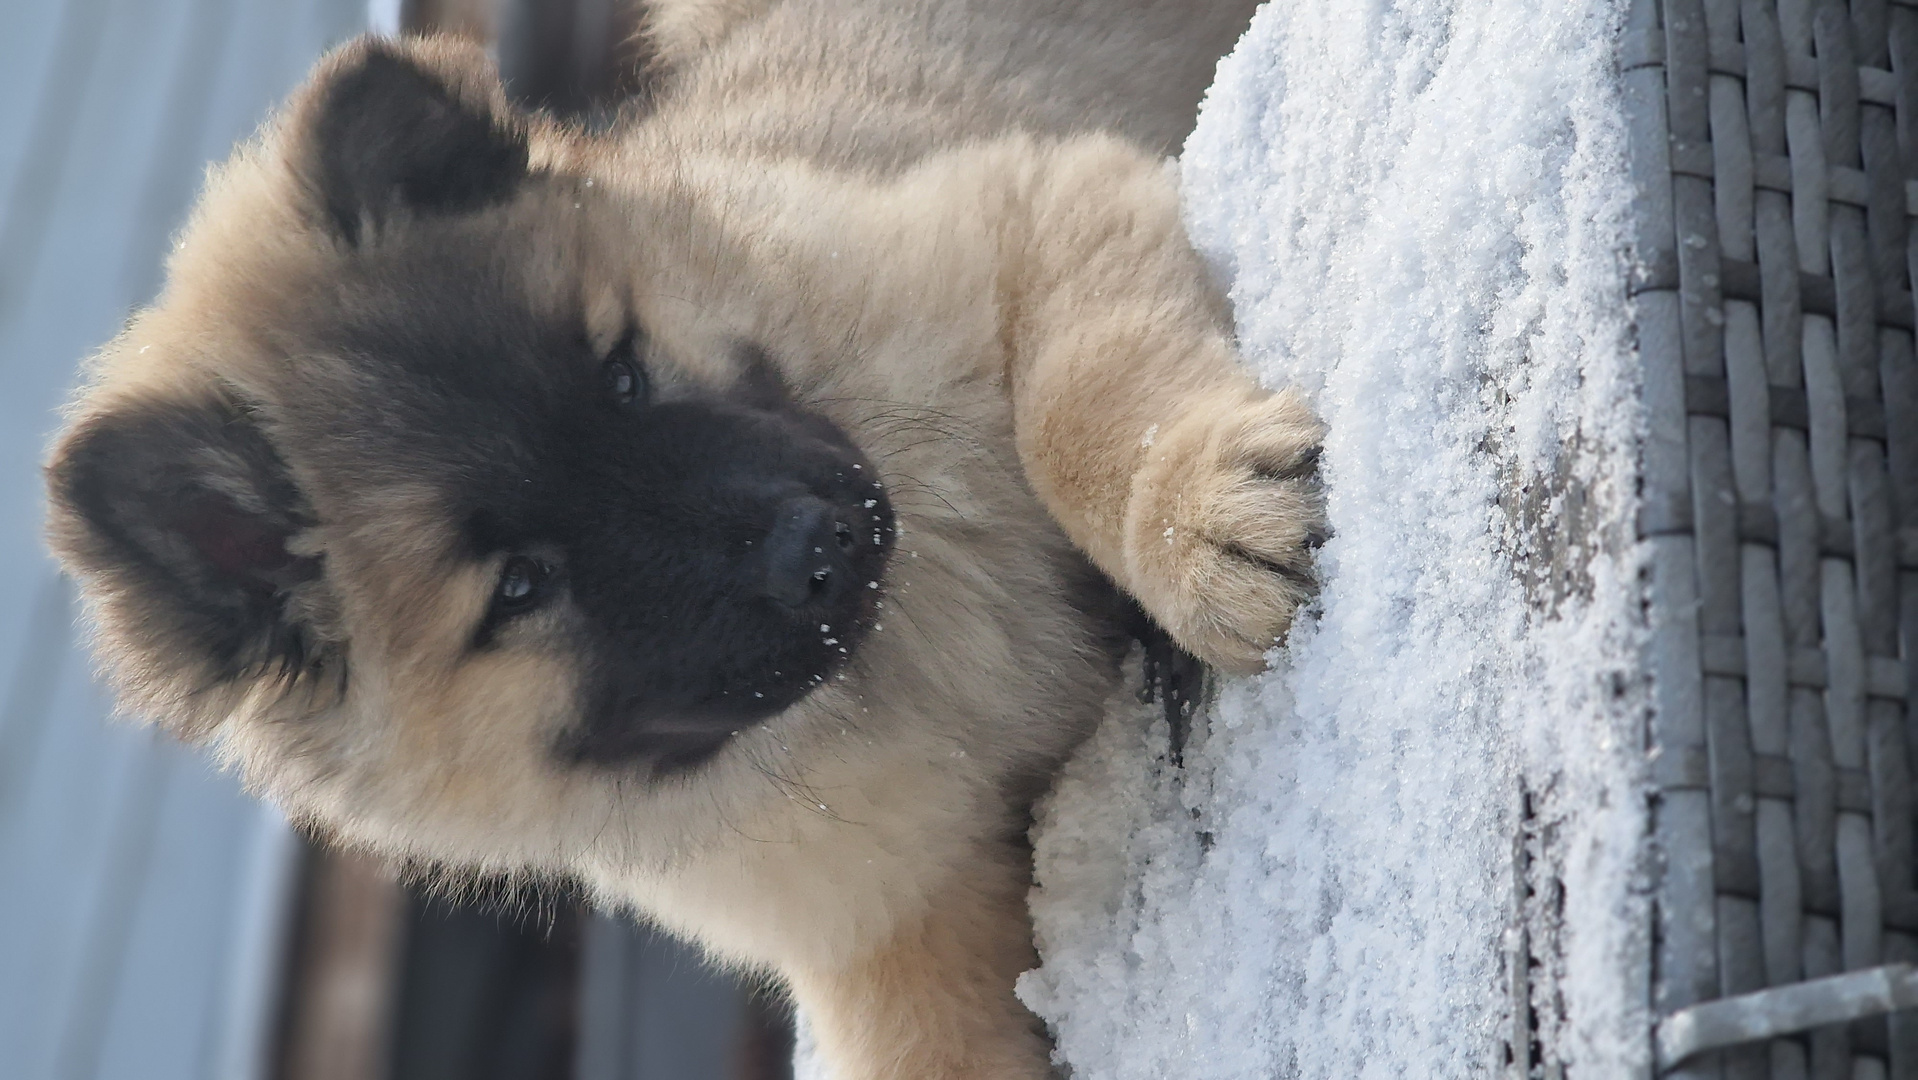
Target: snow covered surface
1430,808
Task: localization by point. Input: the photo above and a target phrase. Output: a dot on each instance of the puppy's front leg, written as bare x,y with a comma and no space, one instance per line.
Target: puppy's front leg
935,1000
1190,485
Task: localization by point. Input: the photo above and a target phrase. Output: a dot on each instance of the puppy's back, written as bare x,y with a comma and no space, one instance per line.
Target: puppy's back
873,85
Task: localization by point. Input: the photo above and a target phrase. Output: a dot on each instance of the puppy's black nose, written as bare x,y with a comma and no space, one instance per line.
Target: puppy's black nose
807,553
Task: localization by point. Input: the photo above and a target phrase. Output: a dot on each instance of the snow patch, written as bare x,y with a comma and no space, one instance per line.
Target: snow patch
1431,808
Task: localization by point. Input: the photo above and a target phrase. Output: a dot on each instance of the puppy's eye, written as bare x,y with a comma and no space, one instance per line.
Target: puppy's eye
624,381
522,584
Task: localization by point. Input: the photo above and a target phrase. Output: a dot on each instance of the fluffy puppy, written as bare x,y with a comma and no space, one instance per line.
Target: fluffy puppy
724,510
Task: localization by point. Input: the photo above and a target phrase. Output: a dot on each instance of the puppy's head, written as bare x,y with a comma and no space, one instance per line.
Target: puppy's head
449,489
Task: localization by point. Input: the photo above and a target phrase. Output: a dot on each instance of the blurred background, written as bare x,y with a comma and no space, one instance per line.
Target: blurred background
155,922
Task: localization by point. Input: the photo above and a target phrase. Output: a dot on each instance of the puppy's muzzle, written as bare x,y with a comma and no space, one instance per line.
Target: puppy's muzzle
809,555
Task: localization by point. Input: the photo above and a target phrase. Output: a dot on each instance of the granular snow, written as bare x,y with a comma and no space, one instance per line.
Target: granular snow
1431,808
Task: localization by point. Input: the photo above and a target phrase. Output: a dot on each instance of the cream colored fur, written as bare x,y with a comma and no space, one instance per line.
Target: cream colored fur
954,224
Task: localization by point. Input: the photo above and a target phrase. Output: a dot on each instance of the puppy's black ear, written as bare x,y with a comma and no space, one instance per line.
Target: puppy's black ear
177,515
419,127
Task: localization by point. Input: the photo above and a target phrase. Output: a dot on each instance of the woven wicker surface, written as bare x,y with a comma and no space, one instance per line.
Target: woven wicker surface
1775,148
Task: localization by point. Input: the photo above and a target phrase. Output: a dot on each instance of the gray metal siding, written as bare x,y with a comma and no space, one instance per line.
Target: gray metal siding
139,890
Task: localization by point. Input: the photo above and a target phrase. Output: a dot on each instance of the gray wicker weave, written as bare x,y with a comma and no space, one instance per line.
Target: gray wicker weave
1775,149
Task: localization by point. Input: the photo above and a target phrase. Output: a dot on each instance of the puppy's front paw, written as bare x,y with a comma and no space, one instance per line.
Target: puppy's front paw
1223,519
